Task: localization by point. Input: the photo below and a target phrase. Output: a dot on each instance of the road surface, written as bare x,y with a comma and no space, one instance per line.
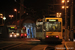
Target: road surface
31,44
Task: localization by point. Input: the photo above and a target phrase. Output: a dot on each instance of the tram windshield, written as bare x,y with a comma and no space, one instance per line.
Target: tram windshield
52,26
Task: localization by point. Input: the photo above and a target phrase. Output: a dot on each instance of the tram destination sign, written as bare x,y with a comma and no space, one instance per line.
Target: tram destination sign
51,20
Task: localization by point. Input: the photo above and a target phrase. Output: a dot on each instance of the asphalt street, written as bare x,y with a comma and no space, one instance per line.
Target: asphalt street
29,44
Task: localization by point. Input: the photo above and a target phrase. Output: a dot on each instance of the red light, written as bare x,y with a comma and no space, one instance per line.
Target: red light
57,36
21,34
47,36
25,34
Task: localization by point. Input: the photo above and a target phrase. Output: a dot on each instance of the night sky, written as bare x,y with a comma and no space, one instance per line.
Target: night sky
7,6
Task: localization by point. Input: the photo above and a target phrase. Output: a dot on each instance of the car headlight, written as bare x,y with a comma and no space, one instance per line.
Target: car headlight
74,40
14,35
10,35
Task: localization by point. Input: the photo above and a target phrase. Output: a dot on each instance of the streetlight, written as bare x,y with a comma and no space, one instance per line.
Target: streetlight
67,6
58,15
63,7
11,16
15,10
16,18
4,18
63,1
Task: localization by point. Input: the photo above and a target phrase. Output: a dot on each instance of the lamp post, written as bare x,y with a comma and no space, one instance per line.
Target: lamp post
66,21
71,22
16,18
16,14
65,6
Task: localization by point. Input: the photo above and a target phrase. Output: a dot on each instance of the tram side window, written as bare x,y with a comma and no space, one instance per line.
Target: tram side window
39,28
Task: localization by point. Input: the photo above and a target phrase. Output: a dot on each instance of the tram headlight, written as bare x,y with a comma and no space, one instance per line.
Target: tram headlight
74,40
14,35
10,35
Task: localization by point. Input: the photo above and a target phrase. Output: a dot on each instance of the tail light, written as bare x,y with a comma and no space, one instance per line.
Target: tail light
21,34
46,36
25,34
57,36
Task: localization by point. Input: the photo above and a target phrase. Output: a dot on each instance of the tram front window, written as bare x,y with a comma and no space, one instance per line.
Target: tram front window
52,26
12,30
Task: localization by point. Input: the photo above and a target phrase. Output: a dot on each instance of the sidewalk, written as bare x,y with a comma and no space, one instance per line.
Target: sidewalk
70,45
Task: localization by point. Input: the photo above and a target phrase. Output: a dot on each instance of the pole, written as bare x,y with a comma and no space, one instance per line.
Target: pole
16,18
66,35
21,9
21,13
16,22
2,19
71,23
20,22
